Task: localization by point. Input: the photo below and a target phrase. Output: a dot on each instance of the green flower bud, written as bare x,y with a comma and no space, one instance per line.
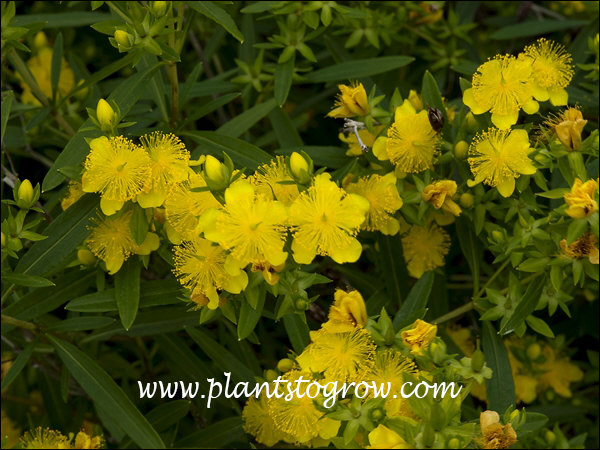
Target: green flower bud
453,443
377,414
271,375
497,236
550,438
124,39
85,257
477,360
301,304
534,351
461,149
472,124
466,200
158,8
285,365
428,436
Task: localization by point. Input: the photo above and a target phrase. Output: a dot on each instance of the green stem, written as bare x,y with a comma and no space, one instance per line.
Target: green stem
18,323
455,313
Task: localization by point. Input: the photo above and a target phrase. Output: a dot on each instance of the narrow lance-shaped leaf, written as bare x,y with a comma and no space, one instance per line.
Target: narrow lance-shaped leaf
500,388
414,307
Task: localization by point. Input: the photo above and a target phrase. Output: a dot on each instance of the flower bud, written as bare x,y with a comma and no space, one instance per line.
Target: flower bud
285,365
550,438
3,239
428,436
497,236
105,115
301,304
466,200
158,8
477,360
453,443
124,39
300,168
85,257
472,124
40,40
215,173
534,351
271,375
461,149
377,414
25,195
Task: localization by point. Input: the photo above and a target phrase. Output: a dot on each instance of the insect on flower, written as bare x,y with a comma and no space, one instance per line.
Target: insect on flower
354,126
436,119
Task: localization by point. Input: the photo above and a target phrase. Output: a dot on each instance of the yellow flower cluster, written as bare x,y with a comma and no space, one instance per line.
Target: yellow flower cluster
46,438
506,84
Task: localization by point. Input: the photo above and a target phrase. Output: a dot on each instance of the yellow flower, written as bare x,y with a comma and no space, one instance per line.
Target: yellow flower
425,248
502,86
274,181
568,128
498,157
183,207
551,71
297,417
326,219
342,357
44,438
525,388
584,247
368,139
249,225
495,435
10,432
559,372
85,441
383,437
168,164
390,367
351,101
259,423
118,169
411,142
203,268
269,272
40,67
580,200
347,312
74,193
112,242
384,201
419,336
440,194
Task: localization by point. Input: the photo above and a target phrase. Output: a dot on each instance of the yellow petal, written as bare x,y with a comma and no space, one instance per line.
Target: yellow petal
541,94
406,109
236,284
349,254
110,207
379,149
114,263
506,187
173,235
469,100
150,244
558,97
303,255
504,122
238,190
152,199
391,227
531,107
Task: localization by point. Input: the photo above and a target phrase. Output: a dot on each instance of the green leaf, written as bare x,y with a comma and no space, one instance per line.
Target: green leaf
82,323
6,107
242,153
360,68
283,80
393,267
539,326
431,93
535,28
219,15
219,434
415,304
297,331
500,388
242,123
64,233
163,416
26,280
249,315
526,305
209,107
103,390
470,246
576,229
57,53
18,365
554,193
138,225
222,357
61,20
125,95
286,132
127,291
533,422
152,293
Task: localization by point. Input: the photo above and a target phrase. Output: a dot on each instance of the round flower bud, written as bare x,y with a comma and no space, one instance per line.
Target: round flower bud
453,443
124,39
105,115
301,304
285,365
377,414
472,124
466,200
497,236
271,375
40,40
534,351
158,8
461,148
3,239
550,438
85,257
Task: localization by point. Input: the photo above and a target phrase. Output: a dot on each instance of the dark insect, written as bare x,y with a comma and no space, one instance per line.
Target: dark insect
436,119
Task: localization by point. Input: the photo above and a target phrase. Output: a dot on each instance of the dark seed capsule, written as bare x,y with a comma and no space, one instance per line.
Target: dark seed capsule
436,119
